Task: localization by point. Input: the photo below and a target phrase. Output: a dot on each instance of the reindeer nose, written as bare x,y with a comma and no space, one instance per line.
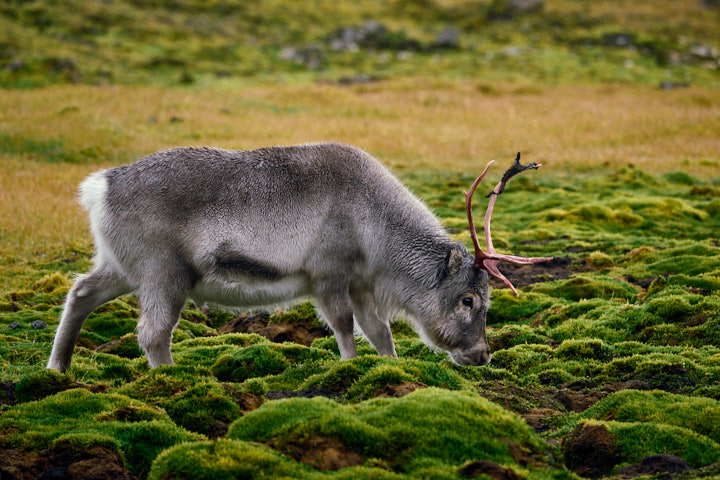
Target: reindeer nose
484,358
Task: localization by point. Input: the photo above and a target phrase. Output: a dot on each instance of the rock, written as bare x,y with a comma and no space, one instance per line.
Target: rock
373,35
669,85
448,38
622,40
358,79
653,464
39,325
590,450
507,9
312,56
15,65
13,325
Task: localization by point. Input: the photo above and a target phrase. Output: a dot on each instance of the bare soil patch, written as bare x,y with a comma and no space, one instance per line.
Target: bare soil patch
311,392
97,463
559,268
322,453
590,451
399,390
300,332
654,464
491,469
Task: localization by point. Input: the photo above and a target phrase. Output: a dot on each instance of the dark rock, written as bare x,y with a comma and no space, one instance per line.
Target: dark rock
13,325
39,325
590,451
653,464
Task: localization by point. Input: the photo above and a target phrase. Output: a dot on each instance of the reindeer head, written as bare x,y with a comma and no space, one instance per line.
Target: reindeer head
463,296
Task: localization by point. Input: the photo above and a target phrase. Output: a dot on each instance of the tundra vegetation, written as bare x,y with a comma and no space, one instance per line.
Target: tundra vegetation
610,354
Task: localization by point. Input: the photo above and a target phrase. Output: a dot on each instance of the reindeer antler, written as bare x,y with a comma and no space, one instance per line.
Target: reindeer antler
489,260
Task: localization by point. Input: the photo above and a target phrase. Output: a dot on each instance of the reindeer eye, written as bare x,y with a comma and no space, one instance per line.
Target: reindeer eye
468,302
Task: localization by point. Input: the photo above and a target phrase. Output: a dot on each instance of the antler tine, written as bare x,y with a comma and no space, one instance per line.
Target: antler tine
489,260
468,209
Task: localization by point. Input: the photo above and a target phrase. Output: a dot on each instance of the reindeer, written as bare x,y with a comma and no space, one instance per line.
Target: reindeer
252,228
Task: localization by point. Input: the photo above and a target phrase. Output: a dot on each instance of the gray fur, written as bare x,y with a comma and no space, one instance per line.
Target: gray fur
250,228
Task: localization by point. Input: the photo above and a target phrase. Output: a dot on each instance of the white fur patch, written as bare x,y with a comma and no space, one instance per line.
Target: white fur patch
92,197
92,192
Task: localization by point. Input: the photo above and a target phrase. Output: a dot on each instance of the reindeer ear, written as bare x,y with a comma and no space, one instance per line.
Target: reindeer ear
451,265
454,259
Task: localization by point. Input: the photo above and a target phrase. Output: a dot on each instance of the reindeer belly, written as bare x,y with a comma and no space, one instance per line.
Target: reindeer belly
239,291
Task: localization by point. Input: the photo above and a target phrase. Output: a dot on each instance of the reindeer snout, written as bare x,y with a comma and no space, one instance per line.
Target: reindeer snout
477,357
484,358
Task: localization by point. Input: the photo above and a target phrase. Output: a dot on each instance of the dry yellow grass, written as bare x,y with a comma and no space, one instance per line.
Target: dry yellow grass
409,124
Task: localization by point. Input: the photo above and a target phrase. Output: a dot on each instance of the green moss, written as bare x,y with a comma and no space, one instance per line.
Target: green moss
78,412
303,312
196,329
580,349
54,283
505,306
428,423
155,386
111,325
511,335
713,207
76,444
599,260
262,360
637,440
682,178
701,415
202,407
224,460
126,346
586,287
40,384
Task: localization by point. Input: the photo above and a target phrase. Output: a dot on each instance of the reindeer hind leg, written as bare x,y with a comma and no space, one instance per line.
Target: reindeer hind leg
90,291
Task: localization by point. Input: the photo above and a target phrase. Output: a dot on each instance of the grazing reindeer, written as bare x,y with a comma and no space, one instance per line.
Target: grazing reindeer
271,225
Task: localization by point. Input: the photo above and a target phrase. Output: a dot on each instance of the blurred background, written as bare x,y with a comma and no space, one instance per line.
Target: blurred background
668,43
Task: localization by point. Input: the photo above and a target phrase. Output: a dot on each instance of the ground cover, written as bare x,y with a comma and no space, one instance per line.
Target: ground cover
611,348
